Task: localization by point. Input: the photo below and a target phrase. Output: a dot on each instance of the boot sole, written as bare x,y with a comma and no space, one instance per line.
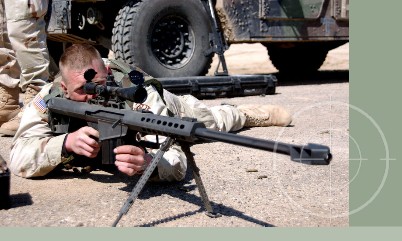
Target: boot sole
7,132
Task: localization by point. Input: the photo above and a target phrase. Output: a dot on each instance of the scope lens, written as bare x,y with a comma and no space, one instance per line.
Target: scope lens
140,95
89,74
136,77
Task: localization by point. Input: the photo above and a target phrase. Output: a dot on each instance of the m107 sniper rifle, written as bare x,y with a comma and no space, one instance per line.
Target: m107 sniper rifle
118,125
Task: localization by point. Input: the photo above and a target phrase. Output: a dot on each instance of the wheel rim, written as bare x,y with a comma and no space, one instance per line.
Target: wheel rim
172,42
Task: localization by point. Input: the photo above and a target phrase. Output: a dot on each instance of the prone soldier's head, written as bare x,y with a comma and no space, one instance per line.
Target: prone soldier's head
74,62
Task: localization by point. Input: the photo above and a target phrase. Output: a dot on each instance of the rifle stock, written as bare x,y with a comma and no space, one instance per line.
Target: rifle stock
114,124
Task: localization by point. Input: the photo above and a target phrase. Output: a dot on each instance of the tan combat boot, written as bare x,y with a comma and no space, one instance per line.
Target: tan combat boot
10,128
265,115
30,93
9,106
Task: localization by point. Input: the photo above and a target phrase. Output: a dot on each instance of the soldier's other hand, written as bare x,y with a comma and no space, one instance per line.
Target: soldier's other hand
129,159
83,142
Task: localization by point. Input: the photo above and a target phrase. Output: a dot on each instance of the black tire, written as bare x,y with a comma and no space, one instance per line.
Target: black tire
299,59
164,38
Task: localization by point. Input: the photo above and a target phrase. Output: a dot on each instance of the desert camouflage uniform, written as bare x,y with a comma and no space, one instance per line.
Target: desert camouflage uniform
24,59
9,68
26,34
226,118
36,152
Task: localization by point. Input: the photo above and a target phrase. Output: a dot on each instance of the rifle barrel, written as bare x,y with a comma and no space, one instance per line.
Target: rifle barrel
313,154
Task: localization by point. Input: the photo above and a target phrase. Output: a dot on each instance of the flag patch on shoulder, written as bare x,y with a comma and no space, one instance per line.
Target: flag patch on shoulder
39,104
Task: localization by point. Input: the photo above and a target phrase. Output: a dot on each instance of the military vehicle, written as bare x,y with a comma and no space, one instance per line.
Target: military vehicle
172,38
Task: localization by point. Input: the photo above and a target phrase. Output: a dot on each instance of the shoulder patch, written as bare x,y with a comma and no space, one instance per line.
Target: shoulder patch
39,103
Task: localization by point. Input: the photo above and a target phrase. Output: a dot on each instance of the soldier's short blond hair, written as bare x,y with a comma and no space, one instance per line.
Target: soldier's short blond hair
78,57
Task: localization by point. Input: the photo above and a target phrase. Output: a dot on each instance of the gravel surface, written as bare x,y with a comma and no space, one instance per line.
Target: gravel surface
248,187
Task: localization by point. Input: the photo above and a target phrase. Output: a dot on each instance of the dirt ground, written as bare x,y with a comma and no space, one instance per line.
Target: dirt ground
278,192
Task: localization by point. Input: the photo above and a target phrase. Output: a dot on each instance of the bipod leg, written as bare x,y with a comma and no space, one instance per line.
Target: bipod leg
143,179
196,174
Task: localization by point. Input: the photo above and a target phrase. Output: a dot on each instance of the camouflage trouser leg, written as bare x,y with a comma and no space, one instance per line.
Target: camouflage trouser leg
26,30
223,117
9,68
173,165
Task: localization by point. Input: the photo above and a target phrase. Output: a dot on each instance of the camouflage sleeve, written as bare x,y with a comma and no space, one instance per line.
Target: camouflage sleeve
173,165
153,103
35,151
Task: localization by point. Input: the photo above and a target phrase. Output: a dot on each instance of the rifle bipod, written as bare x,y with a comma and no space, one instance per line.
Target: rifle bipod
143,179
151,167
196,174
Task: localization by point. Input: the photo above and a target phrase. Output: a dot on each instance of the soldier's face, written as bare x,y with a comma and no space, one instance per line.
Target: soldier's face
73,86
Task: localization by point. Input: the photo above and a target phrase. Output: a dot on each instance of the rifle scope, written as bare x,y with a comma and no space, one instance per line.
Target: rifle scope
136,93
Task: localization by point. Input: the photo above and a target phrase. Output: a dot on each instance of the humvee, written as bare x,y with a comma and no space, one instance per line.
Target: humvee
173,38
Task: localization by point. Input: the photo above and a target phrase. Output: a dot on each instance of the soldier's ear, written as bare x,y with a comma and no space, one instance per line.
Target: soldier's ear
64,87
